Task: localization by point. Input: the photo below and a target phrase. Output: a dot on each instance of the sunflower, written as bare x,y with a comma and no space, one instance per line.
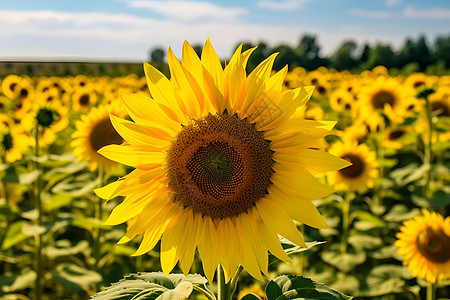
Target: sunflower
342,100
84,98
52,117
13,141
361,173
220,164
424,241
387,96
94,131
8,85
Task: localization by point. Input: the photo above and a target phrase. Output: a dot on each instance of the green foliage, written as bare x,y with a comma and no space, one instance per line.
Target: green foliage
142,286
294,287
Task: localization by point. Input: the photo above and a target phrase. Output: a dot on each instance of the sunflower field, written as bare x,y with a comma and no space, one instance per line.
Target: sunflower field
376,150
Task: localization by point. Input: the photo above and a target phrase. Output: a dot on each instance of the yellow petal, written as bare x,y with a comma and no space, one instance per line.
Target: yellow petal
136,134
142,157
162,91
279,220
207,248
299,183
315,161
187,99
146,111
299,209
250,262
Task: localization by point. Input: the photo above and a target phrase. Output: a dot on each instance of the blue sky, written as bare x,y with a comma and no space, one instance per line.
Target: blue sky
127,29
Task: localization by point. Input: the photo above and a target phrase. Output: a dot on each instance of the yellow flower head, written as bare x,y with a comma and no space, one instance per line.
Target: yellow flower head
360,174
424,242
220,163
93,132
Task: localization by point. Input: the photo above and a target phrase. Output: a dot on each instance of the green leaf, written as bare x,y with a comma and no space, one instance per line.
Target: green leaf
65,248
296,287
76,185
384,280
10,175
343,261
29,178
17,282
154,285
365,241
15,234
57,201
410,173
75,277
291,248
440,199
400,213
273,290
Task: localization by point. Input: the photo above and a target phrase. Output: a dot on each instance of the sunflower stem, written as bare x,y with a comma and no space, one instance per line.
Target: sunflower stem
431,291
223,289
345,221
204,292
38,207
5,191
234,280
427,148
98,214
301,255
380,157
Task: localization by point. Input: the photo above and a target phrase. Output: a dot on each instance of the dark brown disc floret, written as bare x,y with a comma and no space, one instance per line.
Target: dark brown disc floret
356,169
219,166
103,134
434,245
379,99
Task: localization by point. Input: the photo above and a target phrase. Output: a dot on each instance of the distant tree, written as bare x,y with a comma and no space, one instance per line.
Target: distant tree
380,55
308,47
157,55
442,51
414,52
198,49
364,54
308,53
344,58
259,54
286,56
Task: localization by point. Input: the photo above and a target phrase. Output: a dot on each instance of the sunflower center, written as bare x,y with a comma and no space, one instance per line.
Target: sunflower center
418,83
219,166
393,135
354,170
434,245
381,98
7,141
441,109
104,134
84,100
46,116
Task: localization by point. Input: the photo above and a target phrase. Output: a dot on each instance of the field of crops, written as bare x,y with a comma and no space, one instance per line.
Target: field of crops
395,131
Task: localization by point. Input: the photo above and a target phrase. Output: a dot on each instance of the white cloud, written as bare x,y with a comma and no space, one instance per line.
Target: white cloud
371,14
281,5
52,34
431,13
189,10
392,3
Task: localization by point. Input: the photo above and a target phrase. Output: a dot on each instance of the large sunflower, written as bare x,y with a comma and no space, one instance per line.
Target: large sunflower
220,164
361,173
424,241
94,131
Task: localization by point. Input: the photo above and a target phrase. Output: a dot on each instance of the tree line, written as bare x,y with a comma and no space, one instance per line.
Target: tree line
416,55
